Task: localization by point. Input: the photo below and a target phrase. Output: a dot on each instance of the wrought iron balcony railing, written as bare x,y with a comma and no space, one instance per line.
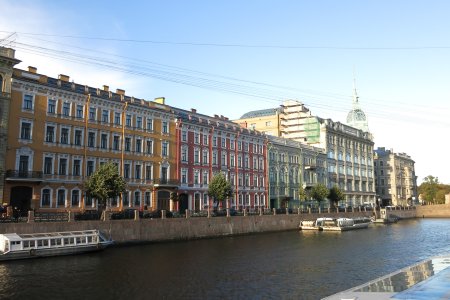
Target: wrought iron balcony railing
23,175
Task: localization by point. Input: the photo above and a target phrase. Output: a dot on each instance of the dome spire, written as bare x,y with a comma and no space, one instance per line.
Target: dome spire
356,117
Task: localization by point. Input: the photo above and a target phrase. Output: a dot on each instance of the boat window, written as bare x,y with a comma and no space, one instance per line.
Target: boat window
26,244
66,241
89,239
45,243
40,243
78,240
32,244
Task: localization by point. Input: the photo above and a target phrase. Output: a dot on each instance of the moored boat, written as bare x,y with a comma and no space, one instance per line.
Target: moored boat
335,224
21,246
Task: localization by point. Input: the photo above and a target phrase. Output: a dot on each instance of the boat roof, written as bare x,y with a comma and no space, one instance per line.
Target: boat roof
21,236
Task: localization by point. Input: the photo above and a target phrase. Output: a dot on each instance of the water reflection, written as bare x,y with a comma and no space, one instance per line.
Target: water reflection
289,265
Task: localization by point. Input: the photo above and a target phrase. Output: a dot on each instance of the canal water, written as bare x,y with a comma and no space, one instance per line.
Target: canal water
286,265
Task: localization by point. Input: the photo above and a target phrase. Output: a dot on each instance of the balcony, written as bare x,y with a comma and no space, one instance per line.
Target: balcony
168,183
24,176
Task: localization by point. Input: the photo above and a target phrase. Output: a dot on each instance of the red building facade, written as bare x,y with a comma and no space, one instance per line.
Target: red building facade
209,145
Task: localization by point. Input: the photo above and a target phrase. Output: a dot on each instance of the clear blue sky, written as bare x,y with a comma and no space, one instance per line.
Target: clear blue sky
248,55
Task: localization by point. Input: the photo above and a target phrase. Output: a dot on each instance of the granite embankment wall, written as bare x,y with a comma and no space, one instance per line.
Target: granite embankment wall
155,230
433,211
403,213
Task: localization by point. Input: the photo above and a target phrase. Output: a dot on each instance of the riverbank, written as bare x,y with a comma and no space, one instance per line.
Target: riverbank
172,229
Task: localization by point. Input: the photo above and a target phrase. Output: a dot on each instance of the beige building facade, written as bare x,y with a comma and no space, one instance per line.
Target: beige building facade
395,177
60,132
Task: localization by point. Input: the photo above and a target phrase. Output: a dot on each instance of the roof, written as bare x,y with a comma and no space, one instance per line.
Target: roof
260,113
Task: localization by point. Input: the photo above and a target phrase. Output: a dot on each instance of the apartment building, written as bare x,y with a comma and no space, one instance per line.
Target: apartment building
209,145
60,132
293,166
349,150
396,180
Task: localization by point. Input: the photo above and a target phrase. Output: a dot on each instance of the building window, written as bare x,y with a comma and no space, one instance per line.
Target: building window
61,199
165,127
224,142
149,124
62,166
148,199
184,136
92,113
127,144
125,200
66,109
50,134
77,137
76,170
165,148
128,121
196,156
205,157
184,154
138,145
91,139
139,122
46,197
184,174
51,106
64,139
196,138
79,111
137,171
205,139
90,168
137,198
149,147
28,102
117,118
215,141
104,141
196,177
148,173
126,171
75,198
25,130
116,142
105,116
48,165
268,123
205,177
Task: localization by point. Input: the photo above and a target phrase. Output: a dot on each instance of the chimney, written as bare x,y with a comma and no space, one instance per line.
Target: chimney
120,92
32,69
193,110
63,77
106,88
160,100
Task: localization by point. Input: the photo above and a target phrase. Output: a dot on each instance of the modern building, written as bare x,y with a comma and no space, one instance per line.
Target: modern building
60,132
293,166
349,162
396,180
209,145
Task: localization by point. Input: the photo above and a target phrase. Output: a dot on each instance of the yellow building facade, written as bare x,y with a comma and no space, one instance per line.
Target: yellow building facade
60,132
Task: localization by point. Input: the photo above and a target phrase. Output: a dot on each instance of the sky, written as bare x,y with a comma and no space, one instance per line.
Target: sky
231,57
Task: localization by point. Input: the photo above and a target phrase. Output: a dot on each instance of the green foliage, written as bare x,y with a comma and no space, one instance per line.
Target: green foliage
319,192
429,188
335,195
433,191
105,183
219,188
302,193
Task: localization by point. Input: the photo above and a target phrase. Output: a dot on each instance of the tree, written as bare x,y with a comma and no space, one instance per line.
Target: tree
319,192
105,183
219,188
302,193
429,188
335,195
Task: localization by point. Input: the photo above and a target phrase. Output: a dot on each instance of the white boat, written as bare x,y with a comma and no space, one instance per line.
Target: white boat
335,224
344,224
21,246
